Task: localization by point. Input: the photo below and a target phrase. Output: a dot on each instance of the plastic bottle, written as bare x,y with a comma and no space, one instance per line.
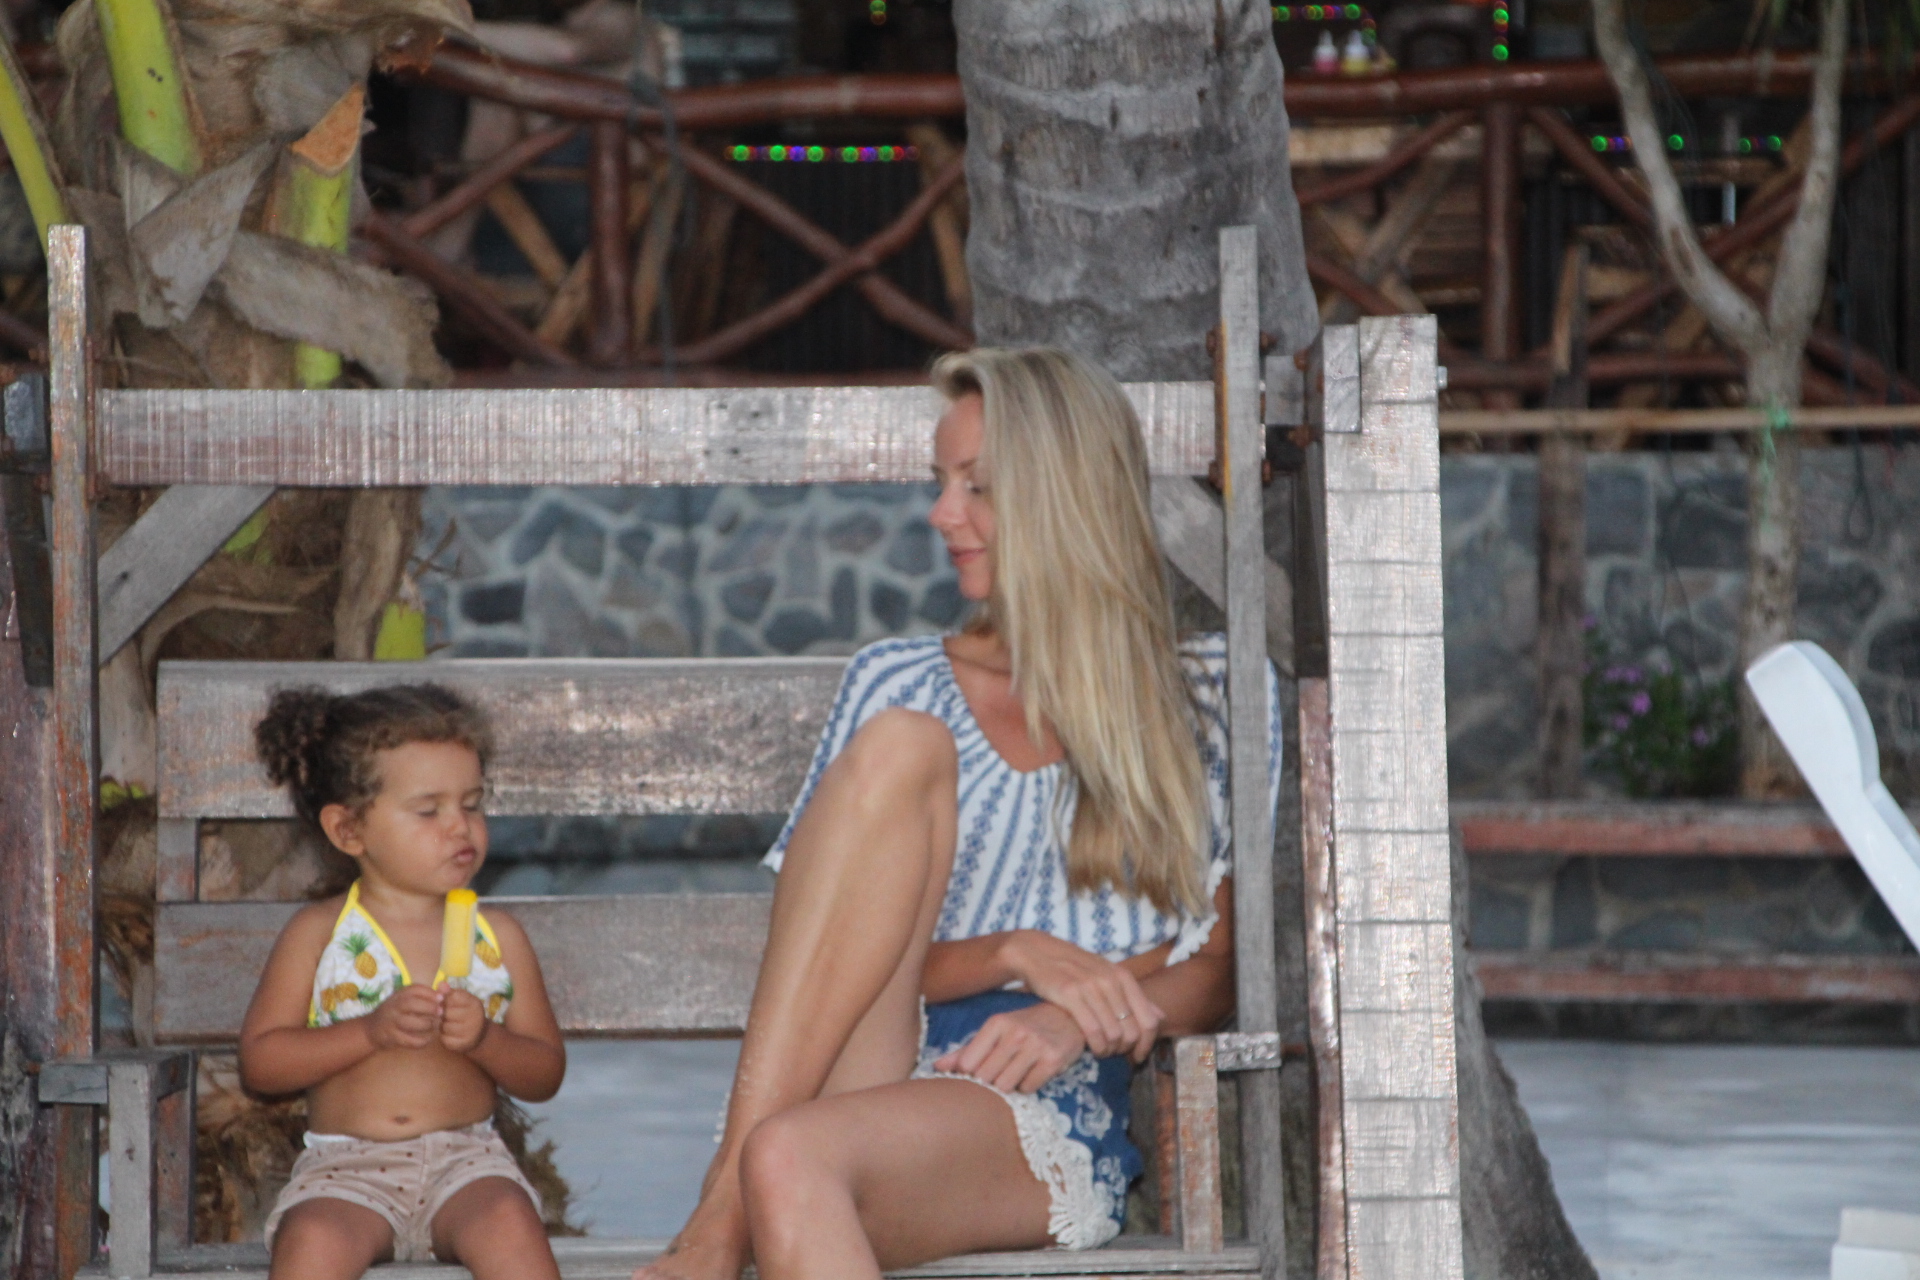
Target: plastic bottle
1326,56
1356,59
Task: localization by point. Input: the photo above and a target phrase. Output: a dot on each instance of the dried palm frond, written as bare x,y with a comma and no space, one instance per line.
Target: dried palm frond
516,1128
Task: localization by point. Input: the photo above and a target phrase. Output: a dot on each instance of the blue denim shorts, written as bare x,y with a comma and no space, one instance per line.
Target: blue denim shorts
1073,1131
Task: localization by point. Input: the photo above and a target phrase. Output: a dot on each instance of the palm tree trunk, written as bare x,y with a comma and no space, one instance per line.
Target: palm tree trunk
1106,145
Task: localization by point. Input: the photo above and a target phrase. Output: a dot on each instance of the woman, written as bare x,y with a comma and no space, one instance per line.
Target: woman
1022,825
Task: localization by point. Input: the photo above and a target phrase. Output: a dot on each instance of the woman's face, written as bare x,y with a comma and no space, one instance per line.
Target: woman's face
963,515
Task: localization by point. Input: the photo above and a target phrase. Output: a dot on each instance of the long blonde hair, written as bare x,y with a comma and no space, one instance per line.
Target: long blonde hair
1080,599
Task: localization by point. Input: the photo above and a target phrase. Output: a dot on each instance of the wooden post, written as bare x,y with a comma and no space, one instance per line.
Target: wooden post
1563,544
1323,973
1393,879
1248,727
607,182
1910,249
76,752
1333,408
1500,227
29,974
1197,1143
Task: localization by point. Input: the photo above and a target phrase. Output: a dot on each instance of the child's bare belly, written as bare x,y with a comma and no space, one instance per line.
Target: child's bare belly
402,1093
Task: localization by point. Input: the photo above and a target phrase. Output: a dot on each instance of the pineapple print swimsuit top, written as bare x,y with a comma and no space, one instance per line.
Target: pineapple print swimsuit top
361,967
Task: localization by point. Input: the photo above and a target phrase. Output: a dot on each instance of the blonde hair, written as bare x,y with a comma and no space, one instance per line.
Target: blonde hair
1080,599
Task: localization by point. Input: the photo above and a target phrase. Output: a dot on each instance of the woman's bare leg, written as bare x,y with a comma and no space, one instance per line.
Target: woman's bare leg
837,1003
889,1177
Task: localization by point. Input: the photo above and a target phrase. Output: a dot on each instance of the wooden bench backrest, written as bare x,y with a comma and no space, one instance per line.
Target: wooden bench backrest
600,737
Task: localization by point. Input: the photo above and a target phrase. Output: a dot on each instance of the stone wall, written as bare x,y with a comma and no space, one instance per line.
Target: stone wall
734,571
1666,553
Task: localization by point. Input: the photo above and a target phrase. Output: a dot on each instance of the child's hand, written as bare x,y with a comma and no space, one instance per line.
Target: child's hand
463,1019
406,1019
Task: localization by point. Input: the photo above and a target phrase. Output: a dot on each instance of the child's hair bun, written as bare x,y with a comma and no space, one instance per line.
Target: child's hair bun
293,734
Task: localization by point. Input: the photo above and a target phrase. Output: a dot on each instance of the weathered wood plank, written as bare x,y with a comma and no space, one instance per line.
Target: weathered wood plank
1243,444
1642,976
1654,828
601,1258
778,435
1399,1099
170,540
1196,1087
1192,535
633,964
601,736
76,727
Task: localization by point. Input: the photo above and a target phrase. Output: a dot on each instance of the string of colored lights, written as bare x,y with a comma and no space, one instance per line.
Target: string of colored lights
817,155
1330,13
1603,143
1500,23
877,12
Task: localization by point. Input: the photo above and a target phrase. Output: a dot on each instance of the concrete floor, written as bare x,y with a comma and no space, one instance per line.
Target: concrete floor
1695,1161
1720,1161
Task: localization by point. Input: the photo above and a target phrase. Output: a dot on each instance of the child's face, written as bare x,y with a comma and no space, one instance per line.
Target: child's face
425,831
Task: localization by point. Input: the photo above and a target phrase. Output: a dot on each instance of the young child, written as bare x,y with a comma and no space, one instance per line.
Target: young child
400,1073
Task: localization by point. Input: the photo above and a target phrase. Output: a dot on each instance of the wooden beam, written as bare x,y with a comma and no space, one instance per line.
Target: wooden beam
76,745
152,560
1390,825
1242,435
604,1258
1652,976
612,736
1638,829
1323,973
767,435
29,869
672,965
1589,421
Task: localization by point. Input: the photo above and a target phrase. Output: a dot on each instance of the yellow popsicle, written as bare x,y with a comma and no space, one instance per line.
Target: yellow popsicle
456,935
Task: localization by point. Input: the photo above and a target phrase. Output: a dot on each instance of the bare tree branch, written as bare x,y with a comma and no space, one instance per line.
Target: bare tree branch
1801,271
1726,308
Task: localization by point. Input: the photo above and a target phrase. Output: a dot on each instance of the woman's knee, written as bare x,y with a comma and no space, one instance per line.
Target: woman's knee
900,750
780,1164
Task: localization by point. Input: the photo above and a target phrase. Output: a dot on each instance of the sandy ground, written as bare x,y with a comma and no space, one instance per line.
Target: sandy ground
1703,1162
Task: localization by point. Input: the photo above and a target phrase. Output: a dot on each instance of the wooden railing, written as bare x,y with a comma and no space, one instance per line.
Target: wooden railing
1509,106
1669,829
1507,101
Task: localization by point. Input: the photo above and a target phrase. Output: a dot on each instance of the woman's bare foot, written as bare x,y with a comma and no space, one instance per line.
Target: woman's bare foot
712,1246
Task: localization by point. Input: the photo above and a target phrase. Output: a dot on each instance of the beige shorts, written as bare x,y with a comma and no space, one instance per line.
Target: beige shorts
404,1182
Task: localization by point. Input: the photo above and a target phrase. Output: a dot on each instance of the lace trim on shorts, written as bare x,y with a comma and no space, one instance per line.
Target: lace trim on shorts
1078,1216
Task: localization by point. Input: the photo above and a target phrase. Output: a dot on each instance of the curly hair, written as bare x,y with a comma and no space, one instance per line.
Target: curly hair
322,746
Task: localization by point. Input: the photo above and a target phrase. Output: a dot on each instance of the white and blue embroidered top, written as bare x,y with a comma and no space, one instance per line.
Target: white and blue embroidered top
1010,869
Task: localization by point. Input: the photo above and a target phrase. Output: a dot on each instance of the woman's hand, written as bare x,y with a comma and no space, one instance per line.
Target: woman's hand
1018,1051
1104,1000
407,1019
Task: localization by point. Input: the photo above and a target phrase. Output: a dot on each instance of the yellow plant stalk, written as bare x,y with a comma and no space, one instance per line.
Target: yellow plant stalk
148,84
456,935
27,146
314,203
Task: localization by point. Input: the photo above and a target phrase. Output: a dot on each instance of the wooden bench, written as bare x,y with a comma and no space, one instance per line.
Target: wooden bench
695,736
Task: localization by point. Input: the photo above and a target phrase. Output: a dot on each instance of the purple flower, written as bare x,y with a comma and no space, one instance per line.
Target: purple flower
1641,703
1635,675
1589,622
1616,674
1620,723
1700,736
